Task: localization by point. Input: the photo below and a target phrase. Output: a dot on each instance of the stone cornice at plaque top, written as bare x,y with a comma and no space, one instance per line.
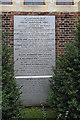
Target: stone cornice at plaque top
43,6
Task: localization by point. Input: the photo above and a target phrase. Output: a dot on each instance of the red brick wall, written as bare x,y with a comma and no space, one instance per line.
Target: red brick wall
65,24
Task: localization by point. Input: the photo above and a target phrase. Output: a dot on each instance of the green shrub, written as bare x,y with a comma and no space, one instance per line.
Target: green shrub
11,108
65,83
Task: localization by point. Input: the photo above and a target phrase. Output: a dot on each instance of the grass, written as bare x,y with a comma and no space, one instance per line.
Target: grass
38,114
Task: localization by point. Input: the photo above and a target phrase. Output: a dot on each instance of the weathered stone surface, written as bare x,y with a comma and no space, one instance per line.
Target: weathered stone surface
34,45
34,55
35,91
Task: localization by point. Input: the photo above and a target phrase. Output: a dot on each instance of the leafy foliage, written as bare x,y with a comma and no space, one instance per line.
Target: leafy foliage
65,83
0,71
11,91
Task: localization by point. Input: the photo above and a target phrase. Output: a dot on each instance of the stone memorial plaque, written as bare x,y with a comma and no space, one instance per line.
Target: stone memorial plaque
34,47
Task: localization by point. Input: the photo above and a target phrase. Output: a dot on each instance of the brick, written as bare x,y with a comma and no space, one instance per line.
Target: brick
65,24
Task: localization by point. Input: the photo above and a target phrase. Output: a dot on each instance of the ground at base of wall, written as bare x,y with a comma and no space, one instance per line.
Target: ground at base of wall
37,113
